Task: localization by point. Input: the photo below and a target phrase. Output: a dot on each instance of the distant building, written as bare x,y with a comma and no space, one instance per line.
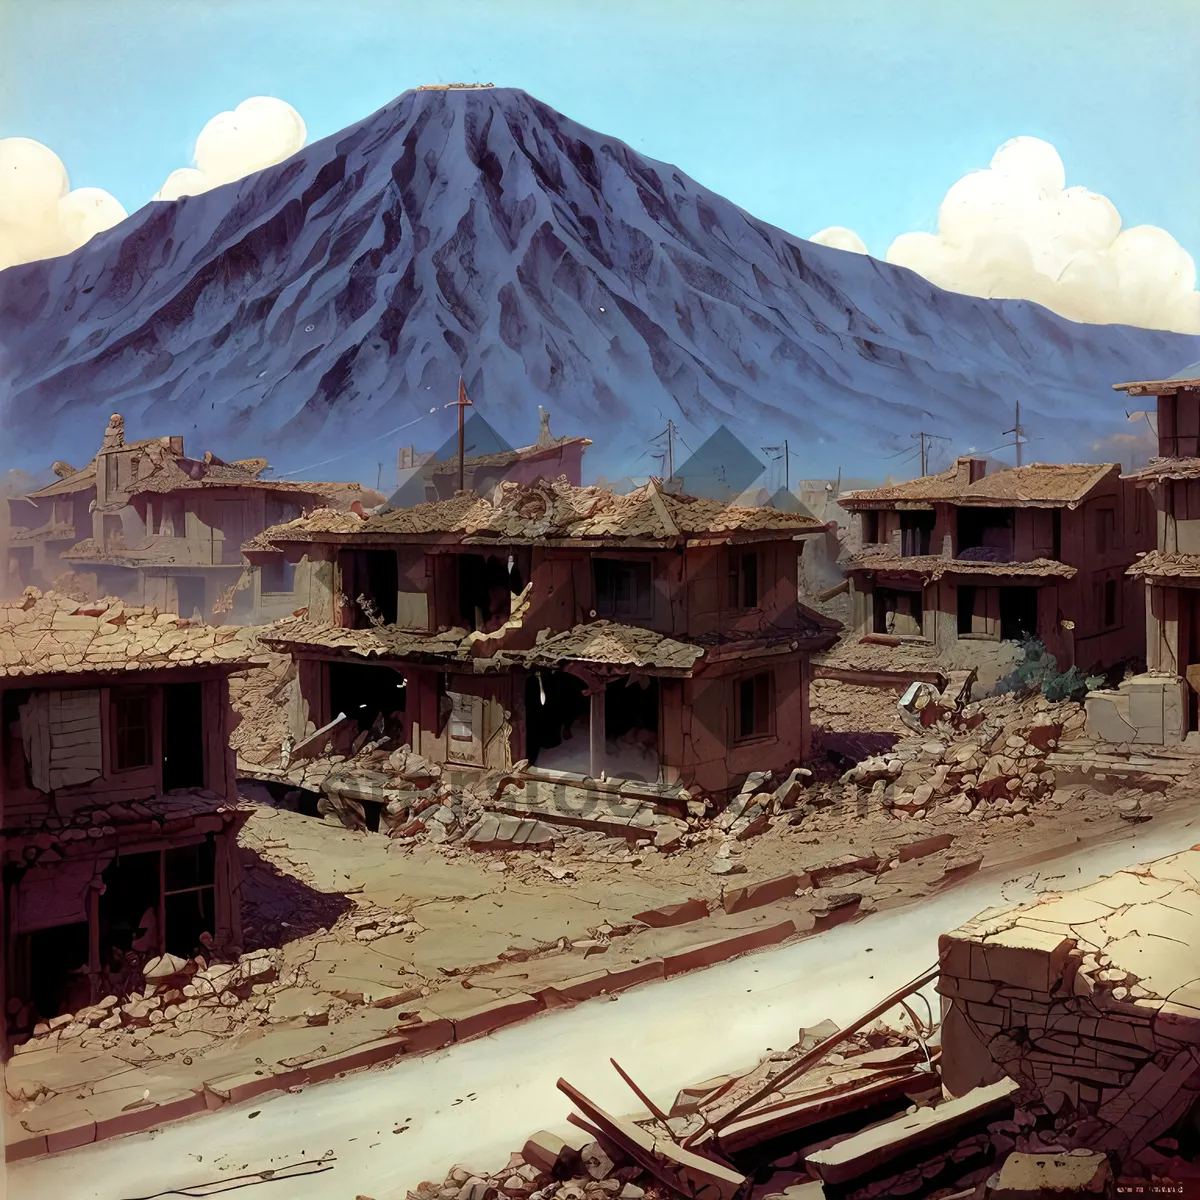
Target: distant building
119,798
144,522
652,636
1039,550
1161,706
432,477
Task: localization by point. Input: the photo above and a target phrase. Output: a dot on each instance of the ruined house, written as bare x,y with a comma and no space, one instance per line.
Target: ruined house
1040,550
426,478
144,522
119,798
1160,707
651,636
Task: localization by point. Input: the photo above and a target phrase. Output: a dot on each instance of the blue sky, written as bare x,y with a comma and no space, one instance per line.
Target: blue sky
855,112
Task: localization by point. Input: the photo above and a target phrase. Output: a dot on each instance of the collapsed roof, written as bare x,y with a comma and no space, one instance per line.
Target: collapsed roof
548,510
52,634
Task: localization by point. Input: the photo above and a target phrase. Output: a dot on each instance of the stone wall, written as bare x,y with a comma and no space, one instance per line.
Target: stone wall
1147,709
1090,1000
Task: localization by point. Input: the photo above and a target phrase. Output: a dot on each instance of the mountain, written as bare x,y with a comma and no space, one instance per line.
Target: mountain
317,311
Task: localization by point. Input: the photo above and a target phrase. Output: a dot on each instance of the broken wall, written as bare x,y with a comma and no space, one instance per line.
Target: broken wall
1090,1000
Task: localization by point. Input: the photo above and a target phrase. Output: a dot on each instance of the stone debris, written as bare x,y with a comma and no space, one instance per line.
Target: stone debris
1090,1000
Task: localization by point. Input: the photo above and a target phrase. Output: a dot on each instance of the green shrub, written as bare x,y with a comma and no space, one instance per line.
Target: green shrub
1038,672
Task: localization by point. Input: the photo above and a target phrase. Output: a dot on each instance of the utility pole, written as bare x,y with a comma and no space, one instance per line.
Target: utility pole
670,451
787,474
462,404
1018,433
924,438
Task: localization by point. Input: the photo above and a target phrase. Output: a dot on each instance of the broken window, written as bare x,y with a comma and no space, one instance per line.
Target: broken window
189,895
916,533
898,612
988,532
1110,603
183,736
743,579
277,575
1018,613
189,596
131,728
129,908
365,692
484,591
64,510
623,589
279,510
979,612
755,711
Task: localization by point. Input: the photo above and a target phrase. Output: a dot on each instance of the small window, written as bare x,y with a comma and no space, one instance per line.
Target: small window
111,476
755,711
131,729
279,511
173,522
189,896
743,579
870,528
64,511
278,575
1106,525
1110,603
623,589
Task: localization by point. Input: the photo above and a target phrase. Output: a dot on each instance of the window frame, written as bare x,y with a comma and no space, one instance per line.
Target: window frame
738,585
641,602
117,700
767,730
288,571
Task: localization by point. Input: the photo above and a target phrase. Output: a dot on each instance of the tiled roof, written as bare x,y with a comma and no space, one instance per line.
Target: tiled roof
931,566
613,644
1166,468
1189,377
1038,483
852,654
555,509
384,641
51,634
79,481
1158,564
506,458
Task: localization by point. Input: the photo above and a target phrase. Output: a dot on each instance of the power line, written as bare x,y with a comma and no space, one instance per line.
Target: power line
922,434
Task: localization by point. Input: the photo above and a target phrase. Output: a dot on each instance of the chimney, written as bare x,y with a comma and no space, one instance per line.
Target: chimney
969,470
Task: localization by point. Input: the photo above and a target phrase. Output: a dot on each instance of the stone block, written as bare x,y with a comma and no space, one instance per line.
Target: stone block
495,1015
1028,958
27,1147
69,1139
152,1115
369,1054
673,914
1073,1173
1106,716
730,946
966,1061
926,846
755,895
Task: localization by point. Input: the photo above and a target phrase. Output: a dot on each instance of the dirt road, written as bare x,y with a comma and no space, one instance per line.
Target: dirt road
475,1101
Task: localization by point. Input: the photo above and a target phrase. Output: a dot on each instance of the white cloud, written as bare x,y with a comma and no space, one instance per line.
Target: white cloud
1015,231
258,133
40,217
840,238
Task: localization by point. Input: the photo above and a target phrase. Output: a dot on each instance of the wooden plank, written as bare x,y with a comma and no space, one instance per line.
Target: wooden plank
871,1149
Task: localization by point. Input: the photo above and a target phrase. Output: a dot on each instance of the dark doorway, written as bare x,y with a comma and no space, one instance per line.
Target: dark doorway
129,905
484,591
52,969
189,593
1018,613
189,896
364,693
557,722
897,612
631,730
183,736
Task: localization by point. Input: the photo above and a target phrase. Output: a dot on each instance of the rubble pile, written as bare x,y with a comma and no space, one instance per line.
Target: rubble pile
259,700
181,993
991,760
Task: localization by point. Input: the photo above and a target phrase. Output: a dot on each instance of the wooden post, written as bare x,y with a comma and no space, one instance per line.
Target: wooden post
462,403
596,730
